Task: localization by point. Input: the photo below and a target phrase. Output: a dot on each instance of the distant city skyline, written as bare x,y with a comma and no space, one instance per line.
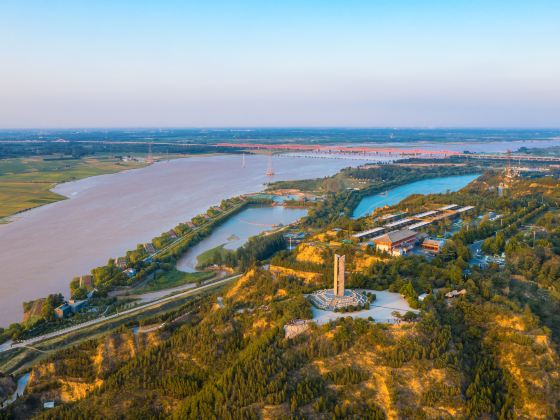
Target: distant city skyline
401,63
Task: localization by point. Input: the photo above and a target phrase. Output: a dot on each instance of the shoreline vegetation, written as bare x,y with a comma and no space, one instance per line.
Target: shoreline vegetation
166,250
30,169
225,353
490,350
27,183
147,267
21,359
173,278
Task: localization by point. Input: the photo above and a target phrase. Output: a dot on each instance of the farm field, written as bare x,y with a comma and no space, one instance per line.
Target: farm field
26,183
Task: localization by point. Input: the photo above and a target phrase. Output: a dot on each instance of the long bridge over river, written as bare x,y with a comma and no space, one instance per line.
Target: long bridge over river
395,152
341,149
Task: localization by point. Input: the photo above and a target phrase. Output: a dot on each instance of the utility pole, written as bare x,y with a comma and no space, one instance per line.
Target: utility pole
270,170
534,237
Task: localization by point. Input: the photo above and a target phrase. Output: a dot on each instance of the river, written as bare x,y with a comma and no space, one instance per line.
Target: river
235,231
426,186
43,249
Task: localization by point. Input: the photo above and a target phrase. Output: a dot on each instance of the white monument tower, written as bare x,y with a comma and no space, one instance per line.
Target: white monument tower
339,267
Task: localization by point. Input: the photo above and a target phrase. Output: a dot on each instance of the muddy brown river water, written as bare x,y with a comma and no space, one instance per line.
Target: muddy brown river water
42,249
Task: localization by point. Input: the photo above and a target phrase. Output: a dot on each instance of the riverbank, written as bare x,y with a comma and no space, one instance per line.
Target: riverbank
234,232
146,266
29,183
26,183
166,250
107,215
426,186
19,357
20,389
153,271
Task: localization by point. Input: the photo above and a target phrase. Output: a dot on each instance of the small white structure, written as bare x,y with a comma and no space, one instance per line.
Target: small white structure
296,327
455,293
423,296
48,404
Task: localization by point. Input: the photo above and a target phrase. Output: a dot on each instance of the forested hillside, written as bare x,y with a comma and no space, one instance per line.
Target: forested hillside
490,353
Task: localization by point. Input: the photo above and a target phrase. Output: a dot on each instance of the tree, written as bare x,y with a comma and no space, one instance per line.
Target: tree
50,303
408,291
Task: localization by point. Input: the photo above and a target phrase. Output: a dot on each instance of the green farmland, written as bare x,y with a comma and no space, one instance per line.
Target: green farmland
26,183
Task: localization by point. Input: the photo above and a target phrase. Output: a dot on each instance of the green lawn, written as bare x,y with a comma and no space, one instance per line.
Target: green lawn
209,257
173,278
25,183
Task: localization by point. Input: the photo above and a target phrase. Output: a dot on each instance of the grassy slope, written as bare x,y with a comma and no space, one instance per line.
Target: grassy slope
173,278
209,257
335,183
34,312
26,183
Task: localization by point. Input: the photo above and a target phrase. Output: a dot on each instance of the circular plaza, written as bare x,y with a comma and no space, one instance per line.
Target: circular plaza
326,299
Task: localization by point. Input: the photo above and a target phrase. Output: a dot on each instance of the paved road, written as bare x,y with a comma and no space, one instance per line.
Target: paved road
477,258
26,343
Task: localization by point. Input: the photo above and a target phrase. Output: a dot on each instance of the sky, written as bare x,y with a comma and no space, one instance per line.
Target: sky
346,63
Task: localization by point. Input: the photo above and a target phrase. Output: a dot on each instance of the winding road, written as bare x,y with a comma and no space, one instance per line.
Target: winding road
9,345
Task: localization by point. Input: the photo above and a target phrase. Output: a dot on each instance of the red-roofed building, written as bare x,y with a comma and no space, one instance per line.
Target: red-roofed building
393,242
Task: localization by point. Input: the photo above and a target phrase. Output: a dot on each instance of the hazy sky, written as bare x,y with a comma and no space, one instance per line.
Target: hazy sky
115,63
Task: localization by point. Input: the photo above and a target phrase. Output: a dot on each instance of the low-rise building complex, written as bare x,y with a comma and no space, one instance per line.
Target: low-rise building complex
396,242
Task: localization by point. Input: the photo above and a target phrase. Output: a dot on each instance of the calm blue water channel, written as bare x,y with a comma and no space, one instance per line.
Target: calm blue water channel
237,229
426,186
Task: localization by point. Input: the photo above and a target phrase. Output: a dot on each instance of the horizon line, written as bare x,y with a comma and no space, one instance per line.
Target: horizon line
275,127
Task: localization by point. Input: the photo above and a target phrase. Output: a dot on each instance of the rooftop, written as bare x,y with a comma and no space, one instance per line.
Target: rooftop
464,209
448,207
395,236
398,223
425,214
429,241
419,224
392,215
368,232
